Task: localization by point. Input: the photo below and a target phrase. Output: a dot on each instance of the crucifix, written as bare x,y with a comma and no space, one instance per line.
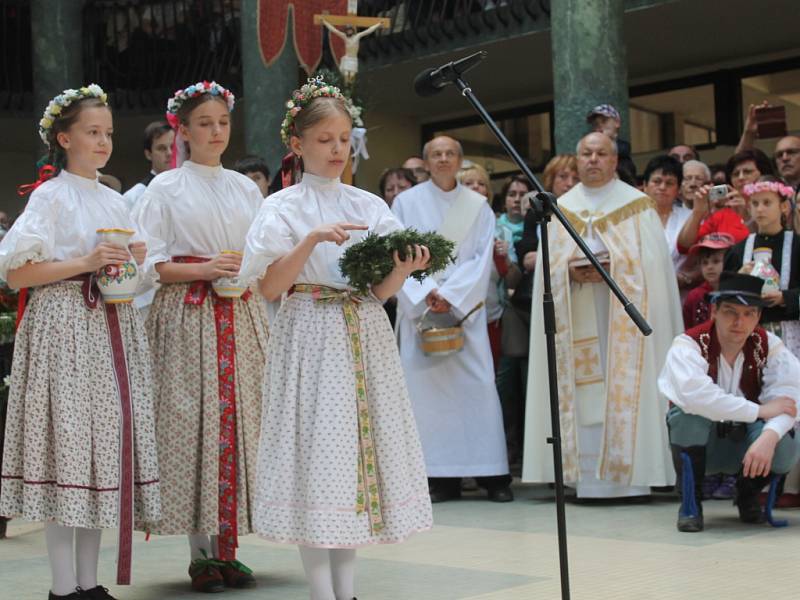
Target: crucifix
348,64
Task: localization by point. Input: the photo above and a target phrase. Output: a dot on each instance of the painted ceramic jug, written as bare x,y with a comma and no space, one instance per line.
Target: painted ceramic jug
762,257
229,287
117,283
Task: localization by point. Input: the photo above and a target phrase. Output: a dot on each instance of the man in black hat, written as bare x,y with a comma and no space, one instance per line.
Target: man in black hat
734,390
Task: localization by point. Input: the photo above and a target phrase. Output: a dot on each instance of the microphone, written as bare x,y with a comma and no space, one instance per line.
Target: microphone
432,81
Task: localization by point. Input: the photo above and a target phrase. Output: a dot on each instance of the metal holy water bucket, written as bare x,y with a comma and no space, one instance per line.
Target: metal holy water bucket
442,341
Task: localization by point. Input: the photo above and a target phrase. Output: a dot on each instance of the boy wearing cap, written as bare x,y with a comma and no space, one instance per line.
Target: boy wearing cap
606,119
710,254
735,389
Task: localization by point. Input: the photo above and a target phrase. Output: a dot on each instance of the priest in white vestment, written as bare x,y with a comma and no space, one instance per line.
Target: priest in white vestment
614,438
454,397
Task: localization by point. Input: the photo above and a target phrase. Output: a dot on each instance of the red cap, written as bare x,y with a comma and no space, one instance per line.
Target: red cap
714,241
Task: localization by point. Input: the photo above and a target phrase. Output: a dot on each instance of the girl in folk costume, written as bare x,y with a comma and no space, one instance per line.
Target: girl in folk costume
769,204
208,338
340,462
80,449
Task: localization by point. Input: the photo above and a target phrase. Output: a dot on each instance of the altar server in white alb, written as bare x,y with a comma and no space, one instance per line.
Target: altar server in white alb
454,397
614,437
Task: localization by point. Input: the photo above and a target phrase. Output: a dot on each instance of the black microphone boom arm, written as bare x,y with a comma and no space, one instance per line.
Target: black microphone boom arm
432,81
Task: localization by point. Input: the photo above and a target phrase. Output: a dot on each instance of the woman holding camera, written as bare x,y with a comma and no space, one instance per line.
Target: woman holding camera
722,208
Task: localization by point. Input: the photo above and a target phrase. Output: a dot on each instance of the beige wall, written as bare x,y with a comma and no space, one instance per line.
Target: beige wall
390,140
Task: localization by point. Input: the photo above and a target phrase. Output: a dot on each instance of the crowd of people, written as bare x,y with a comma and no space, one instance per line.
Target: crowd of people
298,410
669,237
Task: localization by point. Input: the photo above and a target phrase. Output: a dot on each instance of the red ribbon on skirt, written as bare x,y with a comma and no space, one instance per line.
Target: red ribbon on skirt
226,376
91,297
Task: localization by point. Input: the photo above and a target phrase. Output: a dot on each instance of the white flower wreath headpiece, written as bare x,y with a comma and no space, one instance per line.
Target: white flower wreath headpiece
314,88
62,101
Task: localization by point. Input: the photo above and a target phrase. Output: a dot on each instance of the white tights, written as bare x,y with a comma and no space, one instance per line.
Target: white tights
200,542
330,573
73,553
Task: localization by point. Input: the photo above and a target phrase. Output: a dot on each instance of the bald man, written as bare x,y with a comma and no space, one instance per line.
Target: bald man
615,441
454,397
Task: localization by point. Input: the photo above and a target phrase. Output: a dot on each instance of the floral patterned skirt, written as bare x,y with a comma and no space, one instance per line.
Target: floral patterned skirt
308,470
62,445
193,458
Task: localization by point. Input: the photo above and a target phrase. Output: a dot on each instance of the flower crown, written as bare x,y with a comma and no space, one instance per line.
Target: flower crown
201,87
62,101
769,186
314,88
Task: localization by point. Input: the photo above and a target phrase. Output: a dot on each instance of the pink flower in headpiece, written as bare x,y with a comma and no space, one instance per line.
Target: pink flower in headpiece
775,187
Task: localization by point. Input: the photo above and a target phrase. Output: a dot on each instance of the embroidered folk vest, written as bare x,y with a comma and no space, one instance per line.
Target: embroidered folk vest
755,352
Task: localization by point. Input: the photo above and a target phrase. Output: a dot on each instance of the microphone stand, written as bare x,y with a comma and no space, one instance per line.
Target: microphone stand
544,205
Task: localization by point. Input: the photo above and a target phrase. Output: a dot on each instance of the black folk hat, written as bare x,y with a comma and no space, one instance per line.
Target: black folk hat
738,288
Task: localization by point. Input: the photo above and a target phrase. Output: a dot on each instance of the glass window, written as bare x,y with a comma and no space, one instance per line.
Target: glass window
530,135
779,89
684,116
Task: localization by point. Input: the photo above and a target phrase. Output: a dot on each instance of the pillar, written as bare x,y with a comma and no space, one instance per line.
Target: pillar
57,49
589,65
266,89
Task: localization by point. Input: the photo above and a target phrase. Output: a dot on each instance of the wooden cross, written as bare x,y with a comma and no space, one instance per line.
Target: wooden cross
351,18
348,64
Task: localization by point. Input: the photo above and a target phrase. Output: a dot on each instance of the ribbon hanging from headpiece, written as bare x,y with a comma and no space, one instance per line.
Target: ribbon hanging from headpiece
178,143
358,145
45,172
291,170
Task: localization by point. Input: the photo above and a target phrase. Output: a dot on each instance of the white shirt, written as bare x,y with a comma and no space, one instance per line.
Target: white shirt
195,210
287,217
677,218
60,221
136,192
685,382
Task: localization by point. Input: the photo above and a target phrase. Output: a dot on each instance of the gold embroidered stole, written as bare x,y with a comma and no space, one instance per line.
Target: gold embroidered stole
578,349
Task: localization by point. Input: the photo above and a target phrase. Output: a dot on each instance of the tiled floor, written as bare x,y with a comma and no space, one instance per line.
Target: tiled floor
483,551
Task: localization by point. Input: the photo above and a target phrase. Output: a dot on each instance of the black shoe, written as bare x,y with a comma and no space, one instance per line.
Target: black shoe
501,495
747,490
640,499
444,495
691,523
98,593
78,594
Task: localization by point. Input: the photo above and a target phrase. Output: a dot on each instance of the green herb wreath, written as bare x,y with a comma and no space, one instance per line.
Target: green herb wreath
369,261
